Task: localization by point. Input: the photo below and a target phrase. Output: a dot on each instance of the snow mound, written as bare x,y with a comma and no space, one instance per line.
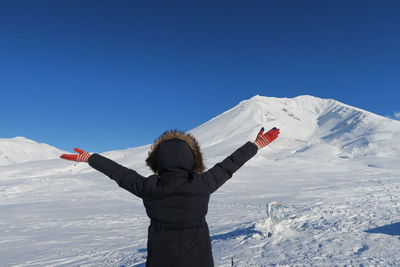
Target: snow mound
20,149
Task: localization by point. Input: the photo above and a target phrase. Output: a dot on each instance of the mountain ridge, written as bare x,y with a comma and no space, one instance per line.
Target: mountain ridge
305,121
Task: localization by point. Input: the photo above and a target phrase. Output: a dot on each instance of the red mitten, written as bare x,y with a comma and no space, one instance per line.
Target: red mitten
264,139
83,156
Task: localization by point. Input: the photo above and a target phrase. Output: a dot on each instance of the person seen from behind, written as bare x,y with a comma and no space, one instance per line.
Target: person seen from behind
176,196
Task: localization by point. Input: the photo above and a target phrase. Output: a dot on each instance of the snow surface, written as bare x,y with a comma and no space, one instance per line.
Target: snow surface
21,149
335,168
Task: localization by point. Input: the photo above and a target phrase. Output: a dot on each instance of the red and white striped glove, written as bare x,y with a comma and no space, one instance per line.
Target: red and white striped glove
83,156
264,139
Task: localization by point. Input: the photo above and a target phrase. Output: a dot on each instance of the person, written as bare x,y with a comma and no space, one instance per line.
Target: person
176,197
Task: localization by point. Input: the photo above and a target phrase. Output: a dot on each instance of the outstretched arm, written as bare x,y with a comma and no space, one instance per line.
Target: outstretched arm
221,172
126,178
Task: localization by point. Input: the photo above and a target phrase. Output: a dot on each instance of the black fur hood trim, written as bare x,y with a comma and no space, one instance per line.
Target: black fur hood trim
180,135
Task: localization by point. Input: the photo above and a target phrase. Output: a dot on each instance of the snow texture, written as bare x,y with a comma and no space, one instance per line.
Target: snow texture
335,168
21,149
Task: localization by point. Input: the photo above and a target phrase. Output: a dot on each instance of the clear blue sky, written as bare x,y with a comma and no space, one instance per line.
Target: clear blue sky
105,75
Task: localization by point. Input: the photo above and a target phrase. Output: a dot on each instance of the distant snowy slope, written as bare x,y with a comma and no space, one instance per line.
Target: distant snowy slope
305,122
21,149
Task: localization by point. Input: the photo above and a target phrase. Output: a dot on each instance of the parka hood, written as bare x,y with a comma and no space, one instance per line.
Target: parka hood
175,150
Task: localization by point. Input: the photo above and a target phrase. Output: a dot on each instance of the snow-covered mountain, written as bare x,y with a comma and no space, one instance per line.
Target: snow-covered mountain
20,149
305,122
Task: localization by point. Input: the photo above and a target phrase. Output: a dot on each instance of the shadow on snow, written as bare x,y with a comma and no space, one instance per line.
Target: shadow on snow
133,262
236,233
390,229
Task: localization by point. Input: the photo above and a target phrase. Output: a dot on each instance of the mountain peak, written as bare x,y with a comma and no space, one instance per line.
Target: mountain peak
20,139
304,121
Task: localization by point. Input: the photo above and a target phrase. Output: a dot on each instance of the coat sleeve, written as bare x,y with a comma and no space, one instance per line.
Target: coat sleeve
221,172
125,178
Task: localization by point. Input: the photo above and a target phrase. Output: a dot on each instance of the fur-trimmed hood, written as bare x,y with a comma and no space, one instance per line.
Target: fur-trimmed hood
168,150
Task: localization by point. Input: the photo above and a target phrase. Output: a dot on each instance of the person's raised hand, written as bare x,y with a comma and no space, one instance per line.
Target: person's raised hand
264,139
83,156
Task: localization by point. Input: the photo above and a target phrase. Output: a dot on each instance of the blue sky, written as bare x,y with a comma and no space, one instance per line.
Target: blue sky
105,75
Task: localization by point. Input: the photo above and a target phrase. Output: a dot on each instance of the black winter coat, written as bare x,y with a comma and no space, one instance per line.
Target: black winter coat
176,201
